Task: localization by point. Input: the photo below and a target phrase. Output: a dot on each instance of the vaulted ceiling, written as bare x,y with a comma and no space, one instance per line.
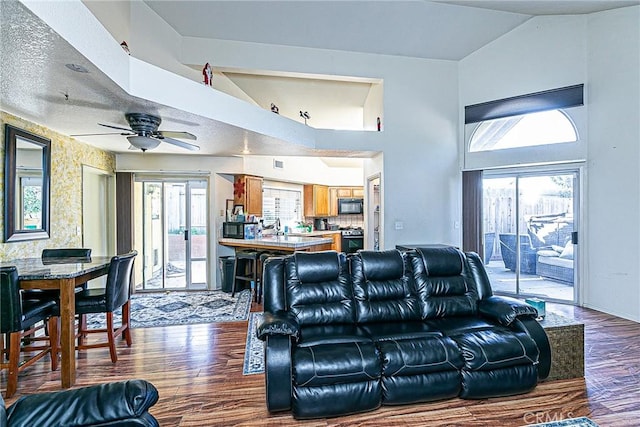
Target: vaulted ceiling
36,84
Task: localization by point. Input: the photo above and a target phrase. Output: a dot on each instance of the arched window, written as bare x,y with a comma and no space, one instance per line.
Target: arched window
541,128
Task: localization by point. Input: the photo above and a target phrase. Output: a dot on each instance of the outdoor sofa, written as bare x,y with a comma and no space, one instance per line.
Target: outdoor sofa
556,263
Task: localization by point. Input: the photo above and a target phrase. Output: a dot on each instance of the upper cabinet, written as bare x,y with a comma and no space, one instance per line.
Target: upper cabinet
316,200
247,191
336,193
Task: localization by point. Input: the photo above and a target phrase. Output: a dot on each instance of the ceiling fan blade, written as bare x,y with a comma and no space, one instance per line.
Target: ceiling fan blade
181,144
99,134
115,127
175,134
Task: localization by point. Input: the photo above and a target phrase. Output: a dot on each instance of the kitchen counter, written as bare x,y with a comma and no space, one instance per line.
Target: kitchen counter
288,243
316,233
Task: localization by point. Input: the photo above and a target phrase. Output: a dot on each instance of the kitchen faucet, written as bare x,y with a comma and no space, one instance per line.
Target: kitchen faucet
277,226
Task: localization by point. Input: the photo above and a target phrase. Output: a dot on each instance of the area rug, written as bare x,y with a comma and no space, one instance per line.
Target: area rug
254,349
571,422
181,308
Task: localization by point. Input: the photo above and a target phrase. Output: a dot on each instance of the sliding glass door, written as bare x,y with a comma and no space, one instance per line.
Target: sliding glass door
530,237
174,234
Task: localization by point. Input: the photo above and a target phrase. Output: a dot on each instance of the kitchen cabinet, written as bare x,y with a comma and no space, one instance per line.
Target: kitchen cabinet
247,191
316,200
336,193
333,201
344,192
357,192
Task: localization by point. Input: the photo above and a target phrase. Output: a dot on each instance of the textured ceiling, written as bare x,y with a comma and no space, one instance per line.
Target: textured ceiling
36,85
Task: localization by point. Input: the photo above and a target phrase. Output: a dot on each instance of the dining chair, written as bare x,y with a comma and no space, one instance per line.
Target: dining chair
115,294
57,255
18,319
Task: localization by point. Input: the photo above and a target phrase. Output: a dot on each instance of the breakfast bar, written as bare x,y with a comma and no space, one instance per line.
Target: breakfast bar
281,243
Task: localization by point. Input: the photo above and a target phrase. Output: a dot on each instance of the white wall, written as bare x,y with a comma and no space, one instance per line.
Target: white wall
419,142
152,40
600,50
613,181
373,107
304,170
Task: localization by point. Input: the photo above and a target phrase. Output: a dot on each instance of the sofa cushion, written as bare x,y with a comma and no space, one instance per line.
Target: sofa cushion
332,400
318,288
443,286
383,287
456,325
419,356
496,348
400,390
498,382
547,253
331,334
567,252
335,363
385,331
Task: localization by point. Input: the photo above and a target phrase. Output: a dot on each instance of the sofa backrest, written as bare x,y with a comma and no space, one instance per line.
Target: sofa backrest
443,285
318,288
383,287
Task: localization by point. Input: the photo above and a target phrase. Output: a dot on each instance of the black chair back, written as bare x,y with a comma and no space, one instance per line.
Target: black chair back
118,288
10,300
66,253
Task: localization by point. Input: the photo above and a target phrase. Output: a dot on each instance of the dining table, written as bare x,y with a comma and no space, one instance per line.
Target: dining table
63,274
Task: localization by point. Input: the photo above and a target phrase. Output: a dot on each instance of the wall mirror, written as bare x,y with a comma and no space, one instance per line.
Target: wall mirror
27,166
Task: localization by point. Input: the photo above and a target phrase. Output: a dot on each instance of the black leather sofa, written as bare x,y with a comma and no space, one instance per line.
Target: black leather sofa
349,334
122,404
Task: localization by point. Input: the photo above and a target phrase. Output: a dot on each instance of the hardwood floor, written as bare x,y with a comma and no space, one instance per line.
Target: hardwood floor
198,372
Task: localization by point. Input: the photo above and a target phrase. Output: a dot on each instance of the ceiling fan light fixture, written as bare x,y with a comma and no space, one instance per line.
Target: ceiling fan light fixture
143,143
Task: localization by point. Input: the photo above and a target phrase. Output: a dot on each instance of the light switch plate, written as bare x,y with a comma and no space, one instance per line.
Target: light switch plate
399,225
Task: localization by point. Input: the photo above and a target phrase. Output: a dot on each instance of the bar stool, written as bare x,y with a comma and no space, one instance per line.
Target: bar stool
245,269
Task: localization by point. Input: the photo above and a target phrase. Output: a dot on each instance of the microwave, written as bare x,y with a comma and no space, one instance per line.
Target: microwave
350,206
239,230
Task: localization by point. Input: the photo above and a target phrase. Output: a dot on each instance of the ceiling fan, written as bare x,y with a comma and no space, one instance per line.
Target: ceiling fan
144,134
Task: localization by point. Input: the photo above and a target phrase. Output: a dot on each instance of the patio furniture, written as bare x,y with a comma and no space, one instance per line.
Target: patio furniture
556,263
527,252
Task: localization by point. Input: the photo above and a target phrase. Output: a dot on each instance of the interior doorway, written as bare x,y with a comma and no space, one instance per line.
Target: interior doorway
373,236
98,214
530,233
173,233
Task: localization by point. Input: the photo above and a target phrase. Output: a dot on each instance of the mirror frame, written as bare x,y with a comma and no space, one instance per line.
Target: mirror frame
11,234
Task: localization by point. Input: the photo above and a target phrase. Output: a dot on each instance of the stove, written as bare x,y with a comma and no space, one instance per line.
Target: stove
352,239
352,231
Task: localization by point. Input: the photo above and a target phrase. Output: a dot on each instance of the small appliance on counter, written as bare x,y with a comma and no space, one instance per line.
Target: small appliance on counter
350,206
239,230
320,224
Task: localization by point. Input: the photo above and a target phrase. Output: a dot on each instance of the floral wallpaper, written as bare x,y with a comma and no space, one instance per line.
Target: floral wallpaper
67,158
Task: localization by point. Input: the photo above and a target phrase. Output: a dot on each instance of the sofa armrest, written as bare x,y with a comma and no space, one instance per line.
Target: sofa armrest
505,309
116,403
278,323
538,334
278,372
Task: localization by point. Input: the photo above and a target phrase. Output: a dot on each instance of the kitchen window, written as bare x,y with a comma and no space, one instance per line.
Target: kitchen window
281,203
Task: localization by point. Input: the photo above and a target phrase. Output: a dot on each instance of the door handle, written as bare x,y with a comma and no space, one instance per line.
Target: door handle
186,234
